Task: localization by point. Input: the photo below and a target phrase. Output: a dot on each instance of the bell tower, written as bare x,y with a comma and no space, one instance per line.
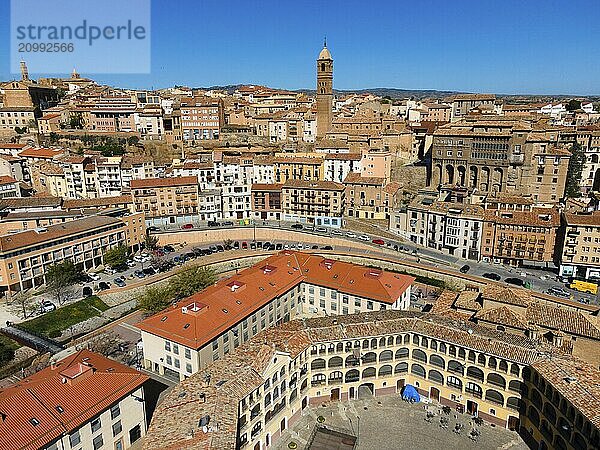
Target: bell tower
324,91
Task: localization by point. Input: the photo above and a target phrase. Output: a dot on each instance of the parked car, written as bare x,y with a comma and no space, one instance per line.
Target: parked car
103,285
190,255
244,245
378,241
213,223
364,237
139,274
272,247
131,263
213,248
119,282
315,247
559,292
152,228
350,235
47,306
266,245
321,230
465,268
300,246
149,271
169,248
492,276
187,226
337,232
236,245
109,270
515,281
327,247
220,248
228,223
94,276
252,245
297,226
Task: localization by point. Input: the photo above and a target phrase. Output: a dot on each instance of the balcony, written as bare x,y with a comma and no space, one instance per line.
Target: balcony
516,159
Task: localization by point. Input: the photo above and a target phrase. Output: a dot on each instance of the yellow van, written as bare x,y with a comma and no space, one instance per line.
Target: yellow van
584,286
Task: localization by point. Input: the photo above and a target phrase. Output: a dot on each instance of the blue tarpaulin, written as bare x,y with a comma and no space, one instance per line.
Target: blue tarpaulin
409,393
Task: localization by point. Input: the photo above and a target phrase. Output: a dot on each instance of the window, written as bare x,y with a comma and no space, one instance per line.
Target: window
188,353
75,439
98,442
167,346
96,424
176,349
115,411
135,433
117,428
188,367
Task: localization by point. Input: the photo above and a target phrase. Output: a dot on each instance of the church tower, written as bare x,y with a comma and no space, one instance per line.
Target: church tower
324,91
24,72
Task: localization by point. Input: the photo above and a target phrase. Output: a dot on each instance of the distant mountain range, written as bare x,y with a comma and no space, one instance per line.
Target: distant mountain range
395,93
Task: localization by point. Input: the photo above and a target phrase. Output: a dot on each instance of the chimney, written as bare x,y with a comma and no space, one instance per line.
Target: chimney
24,72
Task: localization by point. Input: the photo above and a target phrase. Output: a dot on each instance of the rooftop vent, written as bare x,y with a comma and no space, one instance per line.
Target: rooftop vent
571,379
235,285
268,269
193,308
327,263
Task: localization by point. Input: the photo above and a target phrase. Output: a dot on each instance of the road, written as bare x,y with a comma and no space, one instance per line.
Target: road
541,279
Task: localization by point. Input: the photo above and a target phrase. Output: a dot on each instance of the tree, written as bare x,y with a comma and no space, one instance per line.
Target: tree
76,121
191,280
156,298
25,301
116,257
150,242
572,188
60,279
573,105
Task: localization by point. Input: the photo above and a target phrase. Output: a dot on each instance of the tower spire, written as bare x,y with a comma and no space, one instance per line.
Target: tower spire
325,41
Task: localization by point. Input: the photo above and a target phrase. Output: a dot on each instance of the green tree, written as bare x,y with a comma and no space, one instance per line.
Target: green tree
573,105
133,140
572,188
60,279
76,121
117,256
156,299
191,280
150,242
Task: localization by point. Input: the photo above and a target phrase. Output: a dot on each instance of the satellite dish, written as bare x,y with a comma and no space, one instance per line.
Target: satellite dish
205,429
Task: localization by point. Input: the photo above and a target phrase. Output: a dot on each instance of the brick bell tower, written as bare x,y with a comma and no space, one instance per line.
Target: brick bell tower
324,91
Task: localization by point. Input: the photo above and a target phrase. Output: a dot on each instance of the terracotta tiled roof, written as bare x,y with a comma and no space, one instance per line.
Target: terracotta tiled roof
563,319
5,179
267,187
502,316
96,202
209,313
592,219
468,300
343,156
510,296
45,153
163,182
93,384
539,217
68,229
30,202
576,380
356,178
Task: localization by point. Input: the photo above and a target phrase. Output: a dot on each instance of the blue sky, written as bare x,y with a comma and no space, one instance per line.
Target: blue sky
501,46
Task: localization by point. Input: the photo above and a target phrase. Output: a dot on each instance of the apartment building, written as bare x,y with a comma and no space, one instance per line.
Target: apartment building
266,201
317,202
83,401
25,256
112,114
262,390
201,118
236,201
462,104
189,336
376,163
366,197
166,201
516,237
302,168
12,166
9,187
579,243
15,117
454,228
337,166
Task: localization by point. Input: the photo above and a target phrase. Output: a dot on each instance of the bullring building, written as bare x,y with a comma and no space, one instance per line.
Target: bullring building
248,398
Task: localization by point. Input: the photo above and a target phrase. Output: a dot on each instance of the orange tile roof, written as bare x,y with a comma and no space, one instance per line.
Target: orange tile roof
46,153
5,179
82,385
216,309
163,182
